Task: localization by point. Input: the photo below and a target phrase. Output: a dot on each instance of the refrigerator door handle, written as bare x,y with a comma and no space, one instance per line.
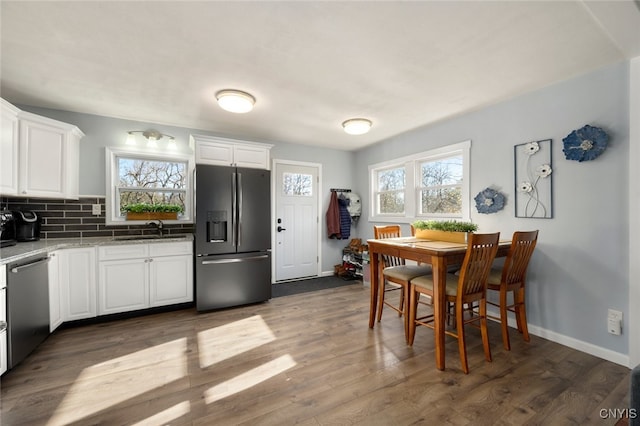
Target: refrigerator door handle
239,209
234,260
234,209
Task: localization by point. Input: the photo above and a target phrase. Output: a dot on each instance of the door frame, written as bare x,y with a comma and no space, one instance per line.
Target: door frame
274,163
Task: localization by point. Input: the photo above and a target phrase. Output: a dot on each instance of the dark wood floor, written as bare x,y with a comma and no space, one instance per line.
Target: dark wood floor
303,359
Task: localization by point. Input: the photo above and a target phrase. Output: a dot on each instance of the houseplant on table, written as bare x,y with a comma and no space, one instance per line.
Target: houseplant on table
444,230
145,211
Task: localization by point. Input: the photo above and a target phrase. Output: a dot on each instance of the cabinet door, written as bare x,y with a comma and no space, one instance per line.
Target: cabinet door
3,352
78,283
171,280
123,286
217,154
55,309
251,156
9,150
42,160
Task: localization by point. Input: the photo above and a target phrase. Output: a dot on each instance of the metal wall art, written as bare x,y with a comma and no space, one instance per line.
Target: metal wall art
585,144
533,179
489,201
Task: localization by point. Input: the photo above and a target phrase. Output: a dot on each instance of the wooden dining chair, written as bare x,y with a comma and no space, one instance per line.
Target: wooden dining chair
396,273
462,291
511,278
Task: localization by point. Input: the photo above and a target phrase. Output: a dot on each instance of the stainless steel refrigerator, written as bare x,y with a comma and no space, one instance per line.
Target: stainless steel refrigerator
232,236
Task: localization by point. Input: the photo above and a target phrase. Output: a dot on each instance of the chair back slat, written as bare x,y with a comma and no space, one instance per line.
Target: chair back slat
388,231
481,251
515,266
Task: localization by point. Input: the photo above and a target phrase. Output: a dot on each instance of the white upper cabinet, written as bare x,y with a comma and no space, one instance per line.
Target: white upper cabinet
228,152
9,149
40,156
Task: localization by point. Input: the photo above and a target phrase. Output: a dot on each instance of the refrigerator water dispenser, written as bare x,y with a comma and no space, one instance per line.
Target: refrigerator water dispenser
217,226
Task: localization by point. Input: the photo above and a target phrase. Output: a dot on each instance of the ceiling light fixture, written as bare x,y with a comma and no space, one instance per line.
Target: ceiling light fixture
235,101
357,126
152,137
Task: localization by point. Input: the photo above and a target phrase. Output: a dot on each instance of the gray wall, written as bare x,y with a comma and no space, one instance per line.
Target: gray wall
101,132
580,267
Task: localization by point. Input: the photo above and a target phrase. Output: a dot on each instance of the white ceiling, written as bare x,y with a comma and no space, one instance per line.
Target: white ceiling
311,65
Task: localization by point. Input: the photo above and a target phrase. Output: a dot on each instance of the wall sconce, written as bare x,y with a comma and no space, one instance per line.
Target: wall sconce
235,101
152,137
357,126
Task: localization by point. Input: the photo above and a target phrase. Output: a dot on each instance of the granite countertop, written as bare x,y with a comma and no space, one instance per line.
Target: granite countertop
31,248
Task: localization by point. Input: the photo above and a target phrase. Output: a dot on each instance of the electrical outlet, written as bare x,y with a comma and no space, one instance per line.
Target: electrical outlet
96,209
614,322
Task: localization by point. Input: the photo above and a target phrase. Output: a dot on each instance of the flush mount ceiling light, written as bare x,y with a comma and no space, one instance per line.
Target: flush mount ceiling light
357,126
235,101
152,137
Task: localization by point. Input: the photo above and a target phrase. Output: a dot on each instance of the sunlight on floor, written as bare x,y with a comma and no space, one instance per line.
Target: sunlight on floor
230,340
165,417
107,384
249,379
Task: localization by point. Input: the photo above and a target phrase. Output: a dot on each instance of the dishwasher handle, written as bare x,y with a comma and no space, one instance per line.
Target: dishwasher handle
36,262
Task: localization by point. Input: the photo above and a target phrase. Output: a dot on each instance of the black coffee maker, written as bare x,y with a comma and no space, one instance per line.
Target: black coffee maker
7,229
27,225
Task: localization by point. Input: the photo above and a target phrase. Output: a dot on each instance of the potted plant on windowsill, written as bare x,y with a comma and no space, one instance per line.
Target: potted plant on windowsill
444,230
145,211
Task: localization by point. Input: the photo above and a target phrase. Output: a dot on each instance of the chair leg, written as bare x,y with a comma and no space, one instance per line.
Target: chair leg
521,313
381,299
484,330
411,323
504,323
462,346
401,306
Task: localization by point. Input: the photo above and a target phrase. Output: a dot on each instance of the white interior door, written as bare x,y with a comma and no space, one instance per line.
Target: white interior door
296,221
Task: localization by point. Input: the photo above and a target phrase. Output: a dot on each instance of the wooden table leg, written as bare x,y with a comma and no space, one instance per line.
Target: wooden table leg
374,261
440,279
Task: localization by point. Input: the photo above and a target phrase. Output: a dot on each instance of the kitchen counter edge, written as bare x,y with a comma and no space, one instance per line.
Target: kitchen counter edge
27,249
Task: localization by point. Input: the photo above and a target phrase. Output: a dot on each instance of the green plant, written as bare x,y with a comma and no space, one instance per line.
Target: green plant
445,225
145,207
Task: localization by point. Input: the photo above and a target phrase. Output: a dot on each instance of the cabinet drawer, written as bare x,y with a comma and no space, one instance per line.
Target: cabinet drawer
170,249
126,251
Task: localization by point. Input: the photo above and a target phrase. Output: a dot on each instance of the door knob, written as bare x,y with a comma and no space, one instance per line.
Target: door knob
280,228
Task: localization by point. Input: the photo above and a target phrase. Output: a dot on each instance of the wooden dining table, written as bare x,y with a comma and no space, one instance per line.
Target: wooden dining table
440,255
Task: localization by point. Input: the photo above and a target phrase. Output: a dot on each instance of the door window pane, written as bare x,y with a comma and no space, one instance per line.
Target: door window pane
297,184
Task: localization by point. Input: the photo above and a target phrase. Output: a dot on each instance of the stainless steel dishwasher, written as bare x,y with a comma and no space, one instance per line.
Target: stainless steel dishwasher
27,307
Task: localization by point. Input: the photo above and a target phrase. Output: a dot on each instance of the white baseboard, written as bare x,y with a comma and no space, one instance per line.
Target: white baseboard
591,349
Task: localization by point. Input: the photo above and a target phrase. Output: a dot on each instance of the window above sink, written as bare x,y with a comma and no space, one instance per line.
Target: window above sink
135,176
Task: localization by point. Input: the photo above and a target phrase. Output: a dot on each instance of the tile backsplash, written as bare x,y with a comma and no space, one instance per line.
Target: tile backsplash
73,218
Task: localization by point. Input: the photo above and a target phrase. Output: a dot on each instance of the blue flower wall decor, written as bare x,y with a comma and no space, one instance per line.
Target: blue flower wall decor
585,144
489,201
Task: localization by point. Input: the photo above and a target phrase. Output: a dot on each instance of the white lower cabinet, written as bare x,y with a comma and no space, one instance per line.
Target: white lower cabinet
171,280
77,274
3,319
55,299
139,276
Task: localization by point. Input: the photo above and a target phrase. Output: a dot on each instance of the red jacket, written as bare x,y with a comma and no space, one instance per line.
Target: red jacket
333,217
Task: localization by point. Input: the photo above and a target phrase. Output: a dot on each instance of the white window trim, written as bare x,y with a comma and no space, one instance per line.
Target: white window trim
112,216
411,164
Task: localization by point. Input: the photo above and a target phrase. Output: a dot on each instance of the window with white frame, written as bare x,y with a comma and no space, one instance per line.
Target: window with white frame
428,185
148,177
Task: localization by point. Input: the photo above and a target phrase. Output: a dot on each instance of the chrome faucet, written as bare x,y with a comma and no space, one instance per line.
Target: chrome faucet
156,224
